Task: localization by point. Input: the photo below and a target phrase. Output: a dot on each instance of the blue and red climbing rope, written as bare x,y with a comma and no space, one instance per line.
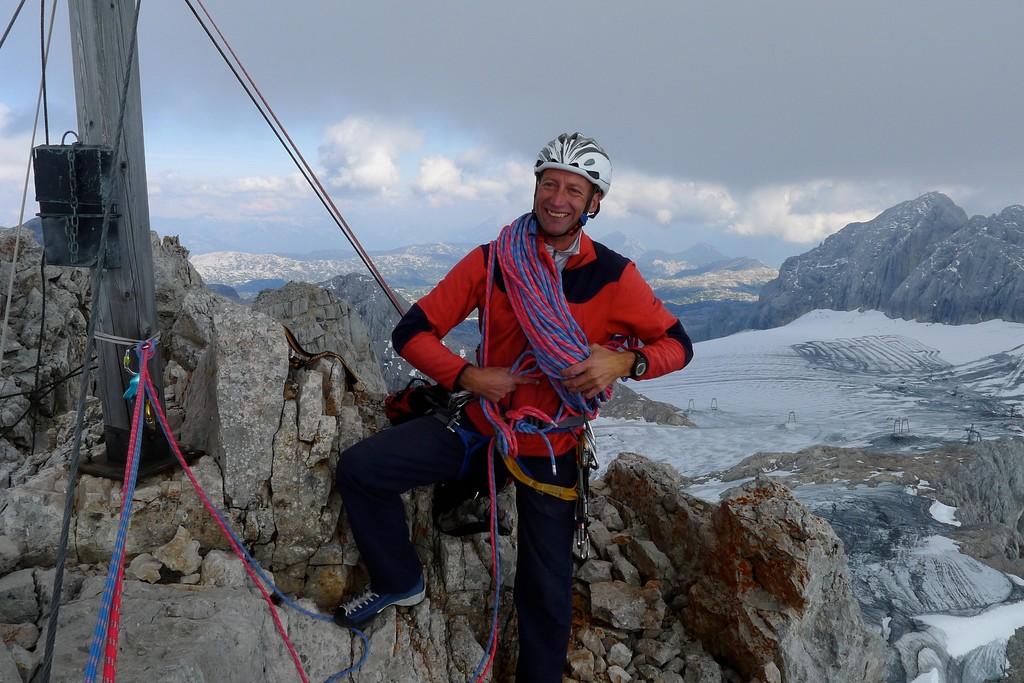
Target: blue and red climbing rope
103,650
533,284
104,645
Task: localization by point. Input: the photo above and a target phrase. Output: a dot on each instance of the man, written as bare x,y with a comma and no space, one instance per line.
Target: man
544,291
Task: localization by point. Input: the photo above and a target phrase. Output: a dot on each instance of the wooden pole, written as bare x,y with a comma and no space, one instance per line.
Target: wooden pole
101,34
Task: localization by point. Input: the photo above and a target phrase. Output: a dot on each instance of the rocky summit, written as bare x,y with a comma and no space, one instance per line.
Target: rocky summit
762,584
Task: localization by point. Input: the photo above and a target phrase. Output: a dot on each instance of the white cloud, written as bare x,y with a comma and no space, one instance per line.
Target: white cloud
441,175
14,155
668,200
247,198
808,212
472,177
362,154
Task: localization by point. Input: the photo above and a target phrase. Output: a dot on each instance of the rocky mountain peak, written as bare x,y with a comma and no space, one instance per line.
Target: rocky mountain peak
922,259
630,247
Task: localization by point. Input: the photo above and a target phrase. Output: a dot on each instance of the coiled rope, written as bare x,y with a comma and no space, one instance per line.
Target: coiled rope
533,284
105,636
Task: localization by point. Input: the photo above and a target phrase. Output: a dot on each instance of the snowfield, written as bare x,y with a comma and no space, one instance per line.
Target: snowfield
854,379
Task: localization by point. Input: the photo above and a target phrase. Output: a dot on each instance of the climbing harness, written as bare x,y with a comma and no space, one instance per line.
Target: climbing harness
418,398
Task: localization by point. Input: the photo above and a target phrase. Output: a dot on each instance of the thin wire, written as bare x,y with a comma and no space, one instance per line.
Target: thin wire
24,195
10,25
48,387
42,70
42,262
307,172
487,661
36,403
35,396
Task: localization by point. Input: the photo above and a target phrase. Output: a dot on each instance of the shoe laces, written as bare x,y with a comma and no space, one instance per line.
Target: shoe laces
360,600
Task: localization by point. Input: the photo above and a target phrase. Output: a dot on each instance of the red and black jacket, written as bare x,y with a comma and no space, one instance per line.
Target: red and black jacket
607,297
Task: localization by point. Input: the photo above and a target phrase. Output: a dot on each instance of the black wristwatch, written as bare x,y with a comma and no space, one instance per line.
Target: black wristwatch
639,365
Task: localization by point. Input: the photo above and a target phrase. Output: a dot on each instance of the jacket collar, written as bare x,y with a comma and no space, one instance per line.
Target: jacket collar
586,255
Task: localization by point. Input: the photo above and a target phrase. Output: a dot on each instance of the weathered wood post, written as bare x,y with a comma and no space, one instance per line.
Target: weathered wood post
101,34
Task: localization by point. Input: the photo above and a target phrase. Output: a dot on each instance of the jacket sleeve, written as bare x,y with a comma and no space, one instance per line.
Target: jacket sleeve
666,344
418,335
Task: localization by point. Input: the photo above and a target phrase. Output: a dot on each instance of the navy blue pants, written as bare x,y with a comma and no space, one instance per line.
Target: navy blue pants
374,473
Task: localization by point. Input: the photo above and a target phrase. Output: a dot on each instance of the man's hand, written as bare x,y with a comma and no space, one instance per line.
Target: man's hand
492,383
593,375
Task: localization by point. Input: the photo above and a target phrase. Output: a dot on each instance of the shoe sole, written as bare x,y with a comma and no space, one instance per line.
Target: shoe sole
411,600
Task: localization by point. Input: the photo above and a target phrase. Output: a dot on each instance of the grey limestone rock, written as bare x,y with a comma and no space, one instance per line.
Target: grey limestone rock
921,260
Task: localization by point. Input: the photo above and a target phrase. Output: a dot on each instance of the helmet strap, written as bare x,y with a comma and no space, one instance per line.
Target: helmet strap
586,216
593,191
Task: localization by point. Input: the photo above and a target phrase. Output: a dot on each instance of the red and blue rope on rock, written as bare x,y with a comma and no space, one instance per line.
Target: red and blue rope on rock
105,636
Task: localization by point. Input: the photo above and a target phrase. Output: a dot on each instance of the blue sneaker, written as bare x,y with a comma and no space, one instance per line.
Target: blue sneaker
368,604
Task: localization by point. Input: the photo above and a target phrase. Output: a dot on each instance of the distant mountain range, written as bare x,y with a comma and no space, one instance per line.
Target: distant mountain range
921,260
409,268
691,282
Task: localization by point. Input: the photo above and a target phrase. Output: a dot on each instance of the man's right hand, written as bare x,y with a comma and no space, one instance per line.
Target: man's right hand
493,383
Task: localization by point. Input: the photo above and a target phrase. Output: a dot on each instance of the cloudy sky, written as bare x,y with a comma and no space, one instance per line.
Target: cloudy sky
759,127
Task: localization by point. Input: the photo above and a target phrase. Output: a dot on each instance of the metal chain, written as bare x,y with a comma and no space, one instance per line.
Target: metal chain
71,227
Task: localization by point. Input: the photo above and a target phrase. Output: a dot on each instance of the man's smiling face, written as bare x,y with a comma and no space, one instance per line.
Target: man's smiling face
561,200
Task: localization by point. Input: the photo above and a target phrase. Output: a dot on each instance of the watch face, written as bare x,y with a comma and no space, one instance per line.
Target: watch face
639,366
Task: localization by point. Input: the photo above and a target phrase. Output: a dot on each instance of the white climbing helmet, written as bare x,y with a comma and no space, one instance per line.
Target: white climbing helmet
577,154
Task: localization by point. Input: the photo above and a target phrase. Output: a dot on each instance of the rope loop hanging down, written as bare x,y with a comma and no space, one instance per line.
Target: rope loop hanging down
103,650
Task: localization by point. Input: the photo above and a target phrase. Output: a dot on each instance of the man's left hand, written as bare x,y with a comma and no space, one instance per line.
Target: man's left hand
593,375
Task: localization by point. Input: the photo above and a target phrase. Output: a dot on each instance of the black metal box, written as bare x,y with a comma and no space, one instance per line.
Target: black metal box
72,186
